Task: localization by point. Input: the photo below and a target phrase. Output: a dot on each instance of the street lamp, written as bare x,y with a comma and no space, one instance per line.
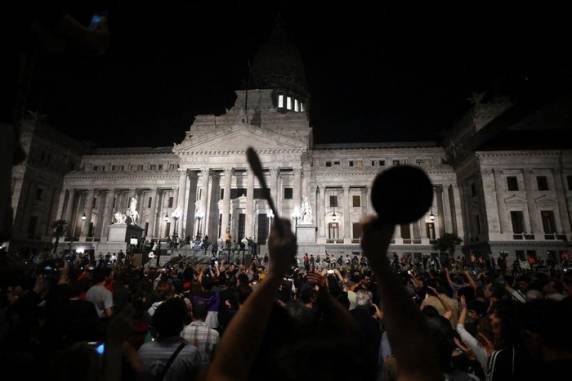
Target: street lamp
432,217
84,217
176,215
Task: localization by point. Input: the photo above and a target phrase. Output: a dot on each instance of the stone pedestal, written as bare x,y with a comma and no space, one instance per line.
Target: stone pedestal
306,233
124,232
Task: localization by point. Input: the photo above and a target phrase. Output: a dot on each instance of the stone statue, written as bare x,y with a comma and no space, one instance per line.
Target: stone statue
306,212
132,214
119,218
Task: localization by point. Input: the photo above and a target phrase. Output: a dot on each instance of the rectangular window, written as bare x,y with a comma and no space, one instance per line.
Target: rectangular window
381,163
241,226
200,194
39,193
356,201
478,223
301,107
517,219
153,167
473,190
222,194
94,203
373,163
146,229
328,163
542,182
420,162
121,167
359,163
167,229
296,105
219,223
351,163
149,200
356,230
405,231
512,183
548,222
288,193
569,180
140,167
160,167
114,201
281,101
237,192
259,193
395,162
113,167
170,202
333,201
289,103
336,163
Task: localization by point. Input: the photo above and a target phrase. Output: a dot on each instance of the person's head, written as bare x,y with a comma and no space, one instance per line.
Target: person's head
443,337
308,294
169,319
101,274
200,311
363,298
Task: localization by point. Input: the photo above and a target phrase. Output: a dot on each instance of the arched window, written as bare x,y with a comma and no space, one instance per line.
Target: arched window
301,107
280,101
295,105
289,103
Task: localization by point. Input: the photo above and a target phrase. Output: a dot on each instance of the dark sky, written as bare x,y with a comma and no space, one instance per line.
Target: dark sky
375,72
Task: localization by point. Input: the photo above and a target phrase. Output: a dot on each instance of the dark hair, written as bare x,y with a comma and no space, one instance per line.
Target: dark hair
100,273
200,310
169,319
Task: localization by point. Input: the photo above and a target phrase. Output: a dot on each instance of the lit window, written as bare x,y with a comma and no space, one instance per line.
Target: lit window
281,101
296,105
301,107
289,103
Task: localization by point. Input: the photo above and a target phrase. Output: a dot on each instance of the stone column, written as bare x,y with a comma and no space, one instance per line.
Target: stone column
153,214
347,219
249,220
438,197
88,211
101,200
535,225
279,192
321,211
297,188
226,203
448,226
204,200
458,210
192,204
214,197
273,186
63,198
107,214
180,203
560,190
68,208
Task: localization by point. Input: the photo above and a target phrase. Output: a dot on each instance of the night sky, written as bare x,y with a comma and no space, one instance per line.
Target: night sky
375,72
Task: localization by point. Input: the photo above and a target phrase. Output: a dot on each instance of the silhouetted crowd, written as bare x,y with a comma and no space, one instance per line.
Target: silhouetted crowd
76,318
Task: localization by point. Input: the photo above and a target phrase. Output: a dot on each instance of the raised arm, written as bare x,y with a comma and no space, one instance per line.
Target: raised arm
243,337
408,333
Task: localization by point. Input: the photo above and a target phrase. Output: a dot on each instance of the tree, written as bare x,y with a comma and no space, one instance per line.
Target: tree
58,228
447,243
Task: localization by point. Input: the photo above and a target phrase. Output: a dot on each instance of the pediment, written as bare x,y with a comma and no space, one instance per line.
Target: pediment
514,200
238,138
544,200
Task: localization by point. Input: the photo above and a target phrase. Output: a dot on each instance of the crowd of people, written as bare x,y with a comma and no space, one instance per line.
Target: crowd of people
370,317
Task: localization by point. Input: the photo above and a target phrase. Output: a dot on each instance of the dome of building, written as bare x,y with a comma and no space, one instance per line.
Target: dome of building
278,65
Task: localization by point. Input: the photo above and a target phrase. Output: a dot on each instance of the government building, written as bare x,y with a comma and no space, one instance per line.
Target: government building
498,198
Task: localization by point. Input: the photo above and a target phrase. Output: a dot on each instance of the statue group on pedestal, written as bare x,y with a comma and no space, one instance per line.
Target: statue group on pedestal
131,215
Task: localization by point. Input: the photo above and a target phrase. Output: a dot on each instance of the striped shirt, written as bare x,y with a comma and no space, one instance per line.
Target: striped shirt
204,338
